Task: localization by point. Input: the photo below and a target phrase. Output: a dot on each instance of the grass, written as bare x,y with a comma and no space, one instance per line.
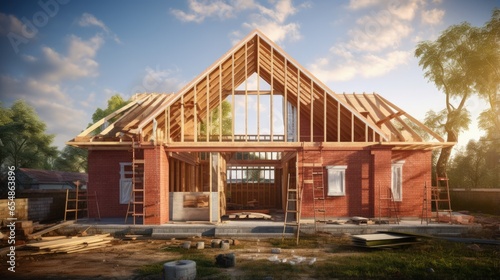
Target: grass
431,259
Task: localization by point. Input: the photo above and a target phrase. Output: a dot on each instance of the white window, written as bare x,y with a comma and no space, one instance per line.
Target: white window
397,181
336,180
125,182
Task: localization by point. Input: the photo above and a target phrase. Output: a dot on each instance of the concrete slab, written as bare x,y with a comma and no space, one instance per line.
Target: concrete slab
263,229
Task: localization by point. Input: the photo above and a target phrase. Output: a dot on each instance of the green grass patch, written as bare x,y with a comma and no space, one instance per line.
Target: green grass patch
432,259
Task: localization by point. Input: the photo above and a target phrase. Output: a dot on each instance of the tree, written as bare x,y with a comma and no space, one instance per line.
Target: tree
25,142
215,123
462,62
475,166
72,159
115,102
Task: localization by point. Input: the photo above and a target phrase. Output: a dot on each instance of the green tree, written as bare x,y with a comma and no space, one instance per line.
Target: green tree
24,140
115,102
474,166
72,159
215,123
462,62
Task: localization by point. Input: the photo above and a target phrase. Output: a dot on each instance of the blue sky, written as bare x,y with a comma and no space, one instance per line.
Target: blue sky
67,57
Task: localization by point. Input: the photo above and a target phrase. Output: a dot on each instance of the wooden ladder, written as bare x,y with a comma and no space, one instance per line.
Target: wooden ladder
292,208
390,206
76,202
136,205
425,206
318,190
441,196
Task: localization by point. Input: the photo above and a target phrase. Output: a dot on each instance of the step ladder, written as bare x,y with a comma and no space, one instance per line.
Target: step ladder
136,207
292,208
316,180
76,202
441,197
388,205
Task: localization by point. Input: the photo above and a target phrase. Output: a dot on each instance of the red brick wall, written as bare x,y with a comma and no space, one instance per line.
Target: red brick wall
416,174
368,172
104,178
156,184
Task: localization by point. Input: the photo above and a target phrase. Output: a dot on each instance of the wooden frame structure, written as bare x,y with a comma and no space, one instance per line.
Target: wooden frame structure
175,120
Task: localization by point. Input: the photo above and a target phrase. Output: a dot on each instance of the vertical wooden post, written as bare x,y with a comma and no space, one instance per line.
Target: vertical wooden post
195,117
220,102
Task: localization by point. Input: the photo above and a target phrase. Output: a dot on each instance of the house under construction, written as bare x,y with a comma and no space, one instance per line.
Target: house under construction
256,131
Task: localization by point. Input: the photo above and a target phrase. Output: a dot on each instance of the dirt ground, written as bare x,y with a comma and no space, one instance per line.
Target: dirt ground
123,258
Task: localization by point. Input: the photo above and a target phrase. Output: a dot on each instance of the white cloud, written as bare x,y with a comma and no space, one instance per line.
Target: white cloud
361,4
375,33
270,19
432,17
90,20
78,63
365,66
374,45
52,104
159,80
10,23
200,9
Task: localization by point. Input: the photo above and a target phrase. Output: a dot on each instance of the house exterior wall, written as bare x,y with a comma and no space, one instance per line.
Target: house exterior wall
367,179
156,185
104,179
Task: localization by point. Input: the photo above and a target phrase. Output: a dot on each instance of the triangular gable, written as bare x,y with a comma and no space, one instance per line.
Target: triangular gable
258,54
320,114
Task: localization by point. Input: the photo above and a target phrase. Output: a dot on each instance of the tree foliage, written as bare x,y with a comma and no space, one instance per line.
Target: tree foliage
115,102
464,61
219,117
476,166
71,159
24,140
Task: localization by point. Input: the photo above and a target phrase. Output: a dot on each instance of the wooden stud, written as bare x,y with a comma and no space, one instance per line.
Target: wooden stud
195,118
272,97
208,109
311,115
220,102
298,107
232,98
258,89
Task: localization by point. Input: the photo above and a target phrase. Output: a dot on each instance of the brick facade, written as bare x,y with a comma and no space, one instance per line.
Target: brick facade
367,179
104,179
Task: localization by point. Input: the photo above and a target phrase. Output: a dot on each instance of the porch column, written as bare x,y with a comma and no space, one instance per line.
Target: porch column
156,186
381,176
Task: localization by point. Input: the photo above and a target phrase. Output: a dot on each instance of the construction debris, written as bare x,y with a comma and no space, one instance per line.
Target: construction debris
249,215
68,245
383,240
47,230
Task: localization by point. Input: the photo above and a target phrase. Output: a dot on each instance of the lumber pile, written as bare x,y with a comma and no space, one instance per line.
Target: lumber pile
383,240
68,245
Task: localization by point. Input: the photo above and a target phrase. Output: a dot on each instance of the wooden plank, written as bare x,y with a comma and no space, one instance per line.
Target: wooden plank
40,233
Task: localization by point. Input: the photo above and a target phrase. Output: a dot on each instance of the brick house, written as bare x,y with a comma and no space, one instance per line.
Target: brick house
248,132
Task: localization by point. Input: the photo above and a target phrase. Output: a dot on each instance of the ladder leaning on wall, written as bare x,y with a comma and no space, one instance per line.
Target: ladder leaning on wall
292,208
441,197
136,205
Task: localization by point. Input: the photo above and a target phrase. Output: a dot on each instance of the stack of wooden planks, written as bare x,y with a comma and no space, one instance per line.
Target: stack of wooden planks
68,245
383,240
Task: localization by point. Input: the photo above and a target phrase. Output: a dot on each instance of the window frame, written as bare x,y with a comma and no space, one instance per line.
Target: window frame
332,172
397,184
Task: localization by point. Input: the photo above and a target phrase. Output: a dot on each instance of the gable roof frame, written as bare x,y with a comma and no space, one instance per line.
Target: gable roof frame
228,55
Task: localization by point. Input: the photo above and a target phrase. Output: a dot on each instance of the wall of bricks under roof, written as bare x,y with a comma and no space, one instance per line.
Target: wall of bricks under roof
104,178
